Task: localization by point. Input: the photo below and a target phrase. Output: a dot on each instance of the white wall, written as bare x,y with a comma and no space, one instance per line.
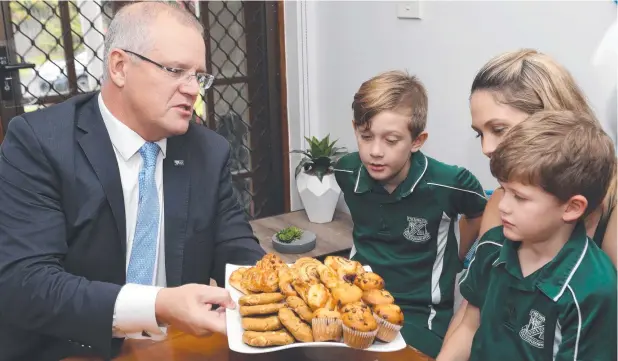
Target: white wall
333,46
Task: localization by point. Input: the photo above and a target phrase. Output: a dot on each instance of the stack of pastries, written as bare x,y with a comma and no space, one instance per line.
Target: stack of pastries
311,301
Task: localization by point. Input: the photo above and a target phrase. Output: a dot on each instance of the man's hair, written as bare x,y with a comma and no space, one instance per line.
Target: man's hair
391,91
563,152
131,27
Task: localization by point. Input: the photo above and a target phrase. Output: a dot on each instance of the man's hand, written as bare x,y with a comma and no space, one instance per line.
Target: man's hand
188,308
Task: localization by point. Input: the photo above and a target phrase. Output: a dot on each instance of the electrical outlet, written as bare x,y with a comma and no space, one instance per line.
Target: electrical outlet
409,10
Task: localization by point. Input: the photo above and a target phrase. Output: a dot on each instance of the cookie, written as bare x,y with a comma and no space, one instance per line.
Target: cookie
300,307
269,309
300,330
260,299
267,339
270,323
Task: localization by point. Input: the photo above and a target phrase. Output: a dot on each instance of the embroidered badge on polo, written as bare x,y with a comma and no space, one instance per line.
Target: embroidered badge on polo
535,329
416,230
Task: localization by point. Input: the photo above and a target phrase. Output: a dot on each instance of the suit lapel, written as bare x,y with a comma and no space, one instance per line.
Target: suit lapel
97,146
176,181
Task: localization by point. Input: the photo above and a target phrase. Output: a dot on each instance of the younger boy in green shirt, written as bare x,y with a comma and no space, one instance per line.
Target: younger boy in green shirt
406,206
538,288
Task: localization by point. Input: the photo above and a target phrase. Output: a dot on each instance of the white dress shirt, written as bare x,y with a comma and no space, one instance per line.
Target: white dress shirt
134,311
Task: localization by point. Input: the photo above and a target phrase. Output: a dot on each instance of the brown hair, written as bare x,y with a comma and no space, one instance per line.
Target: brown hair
565,153
394,91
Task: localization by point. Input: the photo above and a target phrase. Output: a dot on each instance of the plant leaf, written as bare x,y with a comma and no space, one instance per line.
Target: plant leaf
300,166
319,172
322,162
303,152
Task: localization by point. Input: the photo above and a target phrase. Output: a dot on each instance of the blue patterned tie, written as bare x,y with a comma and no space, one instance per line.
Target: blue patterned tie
144,249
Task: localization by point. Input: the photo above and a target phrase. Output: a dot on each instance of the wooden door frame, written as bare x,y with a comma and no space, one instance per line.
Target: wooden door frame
285,135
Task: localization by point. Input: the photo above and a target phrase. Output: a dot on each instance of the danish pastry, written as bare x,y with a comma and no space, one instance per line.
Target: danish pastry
236,280
300,330
317,296
260,280
308,270
302,288
286,277
271,262
268,309
270,323
266,339
346,269
260,299
328,276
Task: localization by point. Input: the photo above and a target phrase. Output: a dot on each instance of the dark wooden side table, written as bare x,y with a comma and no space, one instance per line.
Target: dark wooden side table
333,238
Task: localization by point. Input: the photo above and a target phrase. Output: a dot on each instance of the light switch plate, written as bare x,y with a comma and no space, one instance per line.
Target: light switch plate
409,10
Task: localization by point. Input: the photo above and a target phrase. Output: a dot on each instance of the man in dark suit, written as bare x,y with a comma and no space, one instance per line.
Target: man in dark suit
115,210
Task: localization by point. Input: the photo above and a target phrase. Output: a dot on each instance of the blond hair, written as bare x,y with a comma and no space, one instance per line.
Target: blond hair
565,153
530,81
394,91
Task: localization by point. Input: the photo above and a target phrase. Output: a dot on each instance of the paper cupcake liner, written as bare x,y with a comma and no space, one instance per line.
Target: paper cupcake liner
387,331
358,339
326,329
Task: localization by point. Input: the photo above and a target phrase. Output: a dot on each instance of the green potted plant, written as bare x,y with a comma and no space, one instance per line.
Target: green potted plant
289,234
315,179
293,240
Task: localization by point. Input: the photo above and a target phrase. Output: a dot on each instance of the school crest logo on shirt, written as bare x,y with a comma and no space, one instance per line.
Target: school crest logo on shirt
416,230
535,329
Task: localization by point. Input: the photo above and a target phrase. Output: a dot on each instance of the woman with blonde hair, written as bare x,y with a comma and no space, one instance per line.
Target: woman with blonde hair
506,91
513,86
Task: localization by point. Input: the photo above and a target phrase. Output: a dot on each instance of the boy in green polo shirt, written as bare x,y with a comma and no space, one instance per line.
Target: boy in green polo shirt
538,288
407,208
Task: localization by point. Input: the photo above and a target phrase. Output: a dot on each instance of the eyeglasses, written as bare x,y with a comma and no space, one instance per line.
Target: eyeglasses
203,79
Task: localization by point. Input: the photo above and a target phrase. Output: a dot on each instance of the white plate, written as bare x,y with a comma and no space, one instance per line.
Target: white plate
235,330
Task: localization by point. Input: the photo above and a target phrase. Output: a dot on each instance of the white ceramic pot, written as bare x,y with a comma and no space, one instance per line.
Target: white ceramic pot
319,198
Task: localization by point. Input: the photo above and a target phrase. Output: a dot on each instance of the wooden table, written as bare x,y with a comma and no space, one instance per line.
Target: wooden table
332,237
182,347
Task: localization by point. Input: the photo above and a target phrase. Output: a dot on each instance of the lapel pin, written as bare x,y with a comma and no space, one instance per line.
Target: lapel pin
179,162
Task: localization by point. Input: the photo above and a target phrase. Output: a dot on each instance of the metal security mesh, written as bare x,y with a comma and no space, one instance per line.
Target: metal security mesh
65,40
240,107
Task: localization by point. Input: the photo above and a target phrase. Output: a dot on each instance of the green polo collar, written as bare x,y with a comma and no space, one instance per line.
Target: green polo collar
555,275
418,167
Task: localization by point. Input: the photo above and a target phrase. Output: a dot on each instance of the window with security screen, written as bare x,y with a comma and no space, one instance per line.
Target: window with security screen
64,40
